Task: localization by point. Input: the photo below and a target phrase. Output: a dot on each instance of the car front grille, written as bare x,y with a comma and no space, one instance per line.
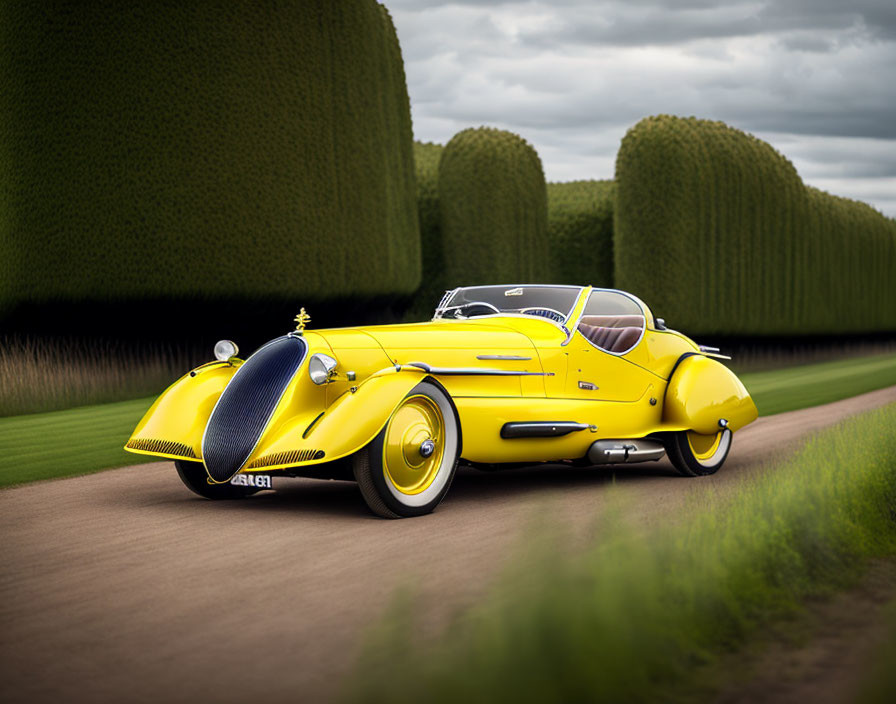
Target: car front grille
247,404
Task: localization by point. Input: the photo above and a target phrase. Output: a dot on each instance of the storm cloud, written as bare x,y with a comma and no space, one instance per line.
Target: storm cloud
815,78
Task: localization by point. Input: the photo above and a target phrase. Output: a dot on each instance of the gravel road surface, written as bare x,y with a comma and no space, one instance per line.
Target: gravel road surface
123,586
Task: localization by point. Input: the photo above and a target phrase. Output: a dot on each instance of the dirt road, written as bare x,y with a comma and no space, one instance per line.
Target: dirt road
123,586
824,655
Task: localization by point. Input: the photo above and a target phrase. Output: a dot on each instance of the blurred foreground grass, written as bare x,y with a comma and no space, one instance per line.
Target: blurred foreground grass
808,385
630,618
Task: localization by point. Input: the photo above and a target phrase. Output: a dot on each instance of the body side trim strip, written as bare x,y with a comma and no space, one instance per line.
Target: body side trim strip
470,371
540,429
506,357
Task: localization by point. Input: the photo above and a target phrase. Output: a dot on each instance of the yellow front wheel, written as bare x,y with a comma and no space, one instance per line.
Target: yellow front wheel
408,467
696,455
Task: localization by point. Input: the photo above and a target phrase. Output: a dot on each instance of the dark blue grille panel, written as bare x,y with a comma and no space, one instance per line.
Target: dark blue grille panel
247,404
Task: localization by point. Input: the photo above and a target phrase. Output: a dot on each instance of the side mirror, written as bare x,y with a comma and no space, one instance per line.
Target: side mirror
660,324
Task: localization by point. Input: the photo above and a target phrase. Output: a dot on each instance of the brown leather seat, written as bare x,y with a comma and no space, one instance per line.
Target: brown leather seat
614,321
611,339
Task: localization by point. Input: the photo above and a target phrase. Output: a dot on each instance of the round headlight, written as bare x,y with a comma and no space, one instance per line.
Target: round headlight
320,366
225,350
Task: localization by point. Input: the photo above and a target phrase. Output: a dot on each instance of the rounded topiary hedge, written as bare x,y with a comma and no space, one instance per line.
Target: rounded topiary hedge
493,205
426,160
204,150
580,232
718,233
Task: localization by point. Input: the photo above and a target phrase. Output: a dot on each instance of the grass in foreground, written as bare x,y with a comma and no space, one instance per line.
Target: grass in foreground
631,618
66,443
792,388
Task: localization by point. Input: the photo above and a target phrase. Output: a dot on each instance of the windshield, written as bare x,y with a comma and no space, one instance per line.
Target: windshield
551,302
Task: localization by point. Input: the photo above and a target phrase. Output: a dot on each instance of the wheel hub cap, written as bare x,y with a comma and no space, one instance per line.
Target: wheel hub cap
427,447
704,446
413,448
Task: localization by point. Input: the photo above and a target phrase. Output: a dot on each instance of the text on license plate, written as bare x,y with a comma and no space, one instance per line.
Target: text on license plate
259,481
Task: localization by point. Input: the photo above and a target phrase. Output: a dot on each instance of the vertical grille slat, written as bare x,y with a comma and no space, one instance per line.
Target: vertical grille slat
165,447
288,457
247,404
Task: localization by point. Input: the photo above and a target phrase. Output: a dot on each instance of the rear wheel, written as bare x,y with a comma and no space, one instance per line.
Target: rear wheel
193,474
696,455
407,468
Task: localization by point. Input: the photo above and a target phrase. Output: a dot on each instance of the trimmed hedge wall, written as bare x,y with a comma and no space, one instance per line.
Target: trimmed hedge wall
494,209
716,231
204,150
580,232
426,160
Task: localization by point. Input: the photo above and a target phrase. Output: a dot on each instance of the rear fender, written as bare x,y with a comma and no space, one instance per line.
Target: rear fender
347,425
702,392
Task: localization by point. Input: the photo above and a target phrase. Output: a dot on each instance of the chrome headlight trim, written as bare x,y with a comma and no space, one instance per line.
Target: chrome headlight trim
321,367
225,350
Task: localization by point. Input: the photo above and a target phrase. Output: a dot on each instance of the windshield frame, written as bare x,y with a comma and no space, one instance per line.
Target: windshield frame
444,306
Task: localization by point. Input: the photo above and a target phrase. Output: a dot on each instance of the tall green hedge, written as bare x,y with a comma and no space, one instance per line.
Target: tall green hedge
718,233
580,232
426,160
203,150
493,204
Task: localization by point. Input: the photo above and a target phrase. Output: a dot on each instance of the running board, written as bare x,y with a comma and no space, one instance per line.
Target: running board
540,429
619,451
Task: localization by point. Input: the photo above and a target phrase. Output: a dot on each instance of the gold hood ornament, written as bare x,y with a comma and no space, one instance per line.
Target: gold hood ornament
302,319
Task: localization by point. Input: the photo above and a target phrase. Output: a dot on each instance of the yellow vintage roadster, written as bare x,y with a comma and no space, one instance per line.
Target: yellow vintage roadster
500,375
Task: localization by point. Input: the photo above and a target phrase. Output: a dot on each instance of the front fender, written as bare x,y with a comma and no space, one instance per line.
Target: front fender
347,425
173,425
701,392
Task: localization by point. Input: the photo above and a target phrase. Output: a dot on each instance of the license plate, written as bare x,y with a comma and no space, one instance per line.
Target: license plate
258,481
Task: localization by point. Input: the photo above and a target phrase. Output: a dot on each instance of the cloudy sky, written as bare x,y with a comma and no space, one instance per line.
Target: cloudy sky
815,78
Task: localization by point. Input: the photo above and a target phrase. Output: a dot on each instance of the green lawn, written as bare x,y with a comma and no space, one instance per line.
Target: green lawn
65,443
88,439
791,388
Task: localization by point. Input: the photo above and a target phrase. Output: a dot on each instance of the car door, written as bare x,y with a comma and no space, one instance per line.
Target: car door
611,326
593,373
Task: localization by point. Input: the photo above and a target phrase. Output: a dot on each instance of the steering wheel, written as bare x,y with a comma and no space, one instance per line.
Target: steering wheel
548,313
473,308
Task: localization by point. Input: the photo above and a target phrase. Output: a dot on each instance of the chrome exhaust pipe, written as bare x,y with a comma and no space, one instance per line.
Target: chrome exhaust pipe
623,451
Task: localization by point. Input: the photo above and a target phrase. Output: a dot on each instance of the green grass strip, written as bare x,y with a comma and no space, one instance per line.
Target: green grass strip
632,617
808,385
70,442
